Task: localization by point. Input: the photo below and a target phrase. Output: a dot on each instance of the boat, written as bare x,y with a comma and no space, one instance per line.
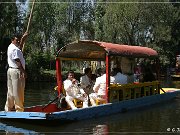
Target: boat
120,97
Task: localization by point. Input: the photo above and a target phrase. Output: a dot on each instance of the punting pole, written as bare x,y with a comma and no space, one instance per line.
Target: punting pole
29,21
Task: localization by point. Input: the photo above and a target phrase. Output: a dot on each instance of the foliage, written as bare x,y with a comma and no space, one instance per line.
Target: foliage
54,24
39,60
10,23
99,14
37,63
144,24
8,14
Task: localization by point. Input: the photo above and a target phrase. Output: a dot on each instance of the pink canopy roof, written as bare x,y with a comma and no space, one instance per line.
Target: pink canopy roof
96,50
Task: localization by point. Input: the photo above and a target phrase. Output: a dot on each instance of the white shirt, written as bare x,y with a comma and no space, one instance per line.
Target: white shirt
120,78
86,81
72,89
100,85
13,53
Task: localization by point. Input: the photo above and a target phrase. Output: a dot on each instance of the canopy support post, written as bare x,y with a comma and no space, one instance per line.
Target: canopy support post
58,75
107,76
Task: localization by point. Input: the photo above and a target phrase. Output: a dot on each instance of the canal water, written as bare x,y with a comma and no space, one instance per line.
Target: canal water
162,118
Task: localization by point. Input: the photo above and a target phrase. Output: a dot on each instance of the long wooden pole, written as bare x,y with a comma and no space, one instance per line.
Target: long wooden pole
29,21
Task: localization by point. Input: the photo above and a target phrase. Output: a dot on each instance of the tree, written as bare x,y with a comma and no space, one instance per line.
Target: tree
99,14
144,24
42,26
11,17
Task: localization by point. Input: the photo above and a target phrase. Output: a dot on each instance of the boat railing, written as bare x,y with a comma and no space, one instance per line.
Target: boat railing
119,92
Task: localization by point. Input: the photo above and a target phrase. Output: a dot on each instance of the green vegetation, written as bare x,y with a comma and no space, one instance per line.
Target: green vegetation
54,24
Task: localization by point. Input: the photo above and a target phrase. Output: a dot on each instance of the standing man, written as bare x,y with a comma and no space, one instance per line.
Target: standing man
16,74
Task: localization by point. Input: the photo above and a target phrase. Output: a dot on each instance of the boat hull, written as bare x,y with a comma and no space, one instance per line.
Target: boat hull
111,108
90,112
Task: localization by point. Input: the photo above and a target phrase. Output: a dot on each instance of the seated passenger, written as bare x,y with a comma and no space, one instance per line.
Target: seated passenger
148,75
74,91
138,73
98,72
86,81
118,77
99,88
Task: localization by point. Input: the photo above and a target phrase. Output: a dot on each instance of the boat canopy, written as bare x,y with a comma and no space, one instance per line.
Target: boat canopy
86,49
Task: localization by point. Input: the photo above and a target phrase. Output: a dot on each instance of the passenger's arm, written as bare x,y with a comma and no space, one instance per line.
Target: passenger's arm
96,86
67,85
83,92
82,82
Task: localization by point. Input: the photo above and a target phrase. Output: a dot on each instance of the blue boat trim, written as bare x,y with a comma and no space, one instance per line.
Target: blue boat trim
25,115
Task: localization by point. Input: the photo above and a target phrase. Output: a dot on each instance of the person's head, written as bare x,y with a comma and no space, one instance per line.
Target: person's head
70,75
98,72
15,39
119,70
147,70
88,72
103,71
114,71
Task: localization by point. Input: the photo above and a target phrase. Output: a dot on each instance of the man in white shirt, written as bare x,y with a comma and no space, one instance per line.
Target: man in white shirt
16,74
99,88
74,91
86,81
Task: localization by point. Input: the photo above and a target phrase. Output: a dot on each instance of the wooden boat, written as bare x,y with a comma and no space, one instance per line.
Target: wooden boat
121,98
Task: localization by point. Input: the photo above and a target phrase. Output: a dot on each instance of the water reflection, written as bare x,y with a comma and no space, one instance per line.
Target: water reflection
10,130
39,93
100,130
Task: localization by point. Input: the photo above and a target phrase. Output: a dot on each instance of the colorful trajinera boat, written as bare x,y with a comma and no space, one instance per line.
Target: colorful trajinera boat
120,98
